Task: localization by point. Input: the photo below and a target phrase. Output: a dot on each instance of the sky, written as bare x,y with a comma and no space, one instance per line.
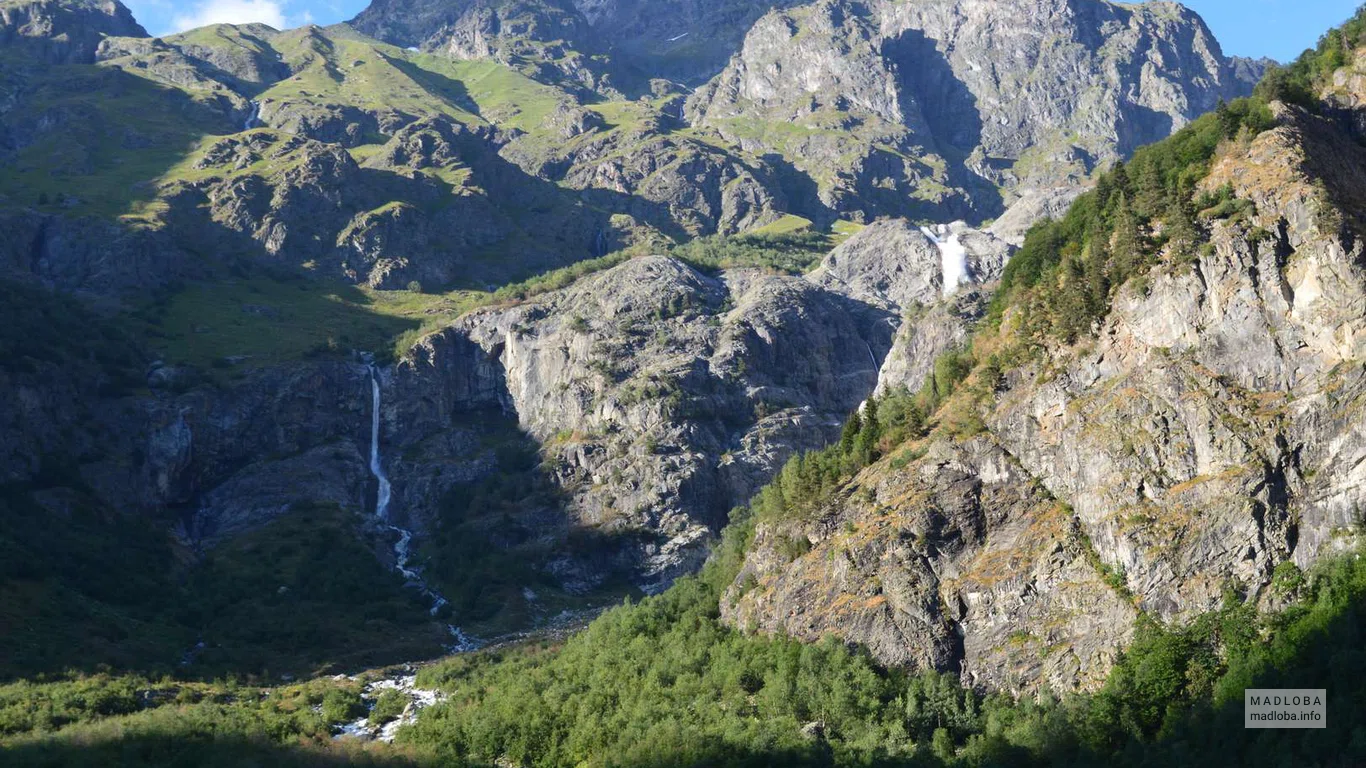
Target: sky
1280,29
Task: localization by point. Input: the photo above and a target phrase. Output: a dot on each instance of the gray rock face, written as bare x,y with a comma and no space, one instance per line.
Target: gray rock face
65,32
968,97
661,396
895,265
1211,392
1033,206
1211,432
890,264
956,561
684,40
89,256
546,38
225,460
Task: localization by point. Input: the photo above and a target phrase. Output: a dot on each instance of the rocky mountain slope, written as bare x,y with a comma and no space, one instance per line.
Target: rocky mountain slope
907,108
324,150
1203,439
662,396
255,210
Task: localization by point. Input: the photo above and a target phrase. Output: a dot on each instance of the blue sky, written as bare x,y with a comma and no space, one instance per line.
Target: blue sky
1276,28
1281,29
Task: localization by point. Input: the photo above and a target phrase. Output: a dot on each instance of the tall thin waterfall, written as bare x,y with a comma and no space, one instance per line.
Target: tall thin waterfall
376,467
402,546
254,119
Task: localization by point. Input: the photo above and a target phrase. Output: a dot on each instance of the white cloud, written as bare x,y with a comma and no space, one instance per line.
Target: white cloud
232,12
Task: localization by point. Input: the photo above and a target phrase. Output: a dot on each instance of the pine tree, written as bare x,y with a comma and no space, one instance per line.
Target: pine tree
865,446
1182,230
1126,247
850,434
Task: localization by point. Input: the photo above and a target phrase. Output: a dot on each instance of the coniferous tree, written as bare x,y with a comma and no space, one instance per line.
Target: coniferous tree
1126,247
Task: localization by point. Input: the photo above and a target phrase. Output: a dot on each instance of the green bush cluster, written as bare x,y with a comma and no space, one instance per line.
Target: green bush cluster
168,723
790,252
389,706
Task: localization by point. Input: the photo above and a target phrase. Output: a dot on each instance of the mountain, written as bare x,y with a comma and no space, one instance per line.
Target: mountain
907,108
1133,483
338,347
253,176
373,163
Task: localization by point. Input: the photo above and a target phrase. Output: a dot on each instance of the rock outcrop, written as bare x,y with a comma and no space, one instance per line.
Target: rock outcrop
662,396
1209,433
66,32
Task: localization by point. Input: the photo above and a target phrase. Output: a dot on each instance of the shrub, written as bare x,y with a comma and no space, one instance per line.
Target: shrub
388,706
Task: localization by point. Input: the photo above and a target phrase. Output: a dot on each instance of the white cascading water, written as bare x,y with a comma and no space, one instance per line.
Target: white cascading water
406,684
254,119
402,551
953,257
376,468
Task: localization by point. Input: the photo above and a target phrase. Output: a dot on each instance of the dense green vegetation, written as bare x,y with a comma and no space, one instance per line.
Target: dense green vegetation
793,252
45,329
663,682
138,721
1063,278
92,589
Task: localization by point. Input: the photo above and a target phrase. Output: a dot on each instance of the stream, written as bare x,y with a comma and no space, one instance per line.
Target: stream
405,682
404,678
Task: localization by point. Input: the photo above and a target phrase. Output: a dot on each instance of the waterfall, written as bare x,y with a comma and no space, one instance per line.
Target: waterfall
402,546
376,468
254,119
953,257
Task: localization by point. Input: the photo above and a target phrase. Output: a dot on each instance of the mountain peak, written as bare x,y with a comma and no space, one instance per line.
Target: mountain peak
64,31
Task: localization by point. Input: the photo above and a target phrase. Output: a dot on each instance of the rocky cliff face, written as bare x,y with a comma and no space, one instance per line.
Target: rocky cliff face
663,396
544,38
66,32
1208,434
905,108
